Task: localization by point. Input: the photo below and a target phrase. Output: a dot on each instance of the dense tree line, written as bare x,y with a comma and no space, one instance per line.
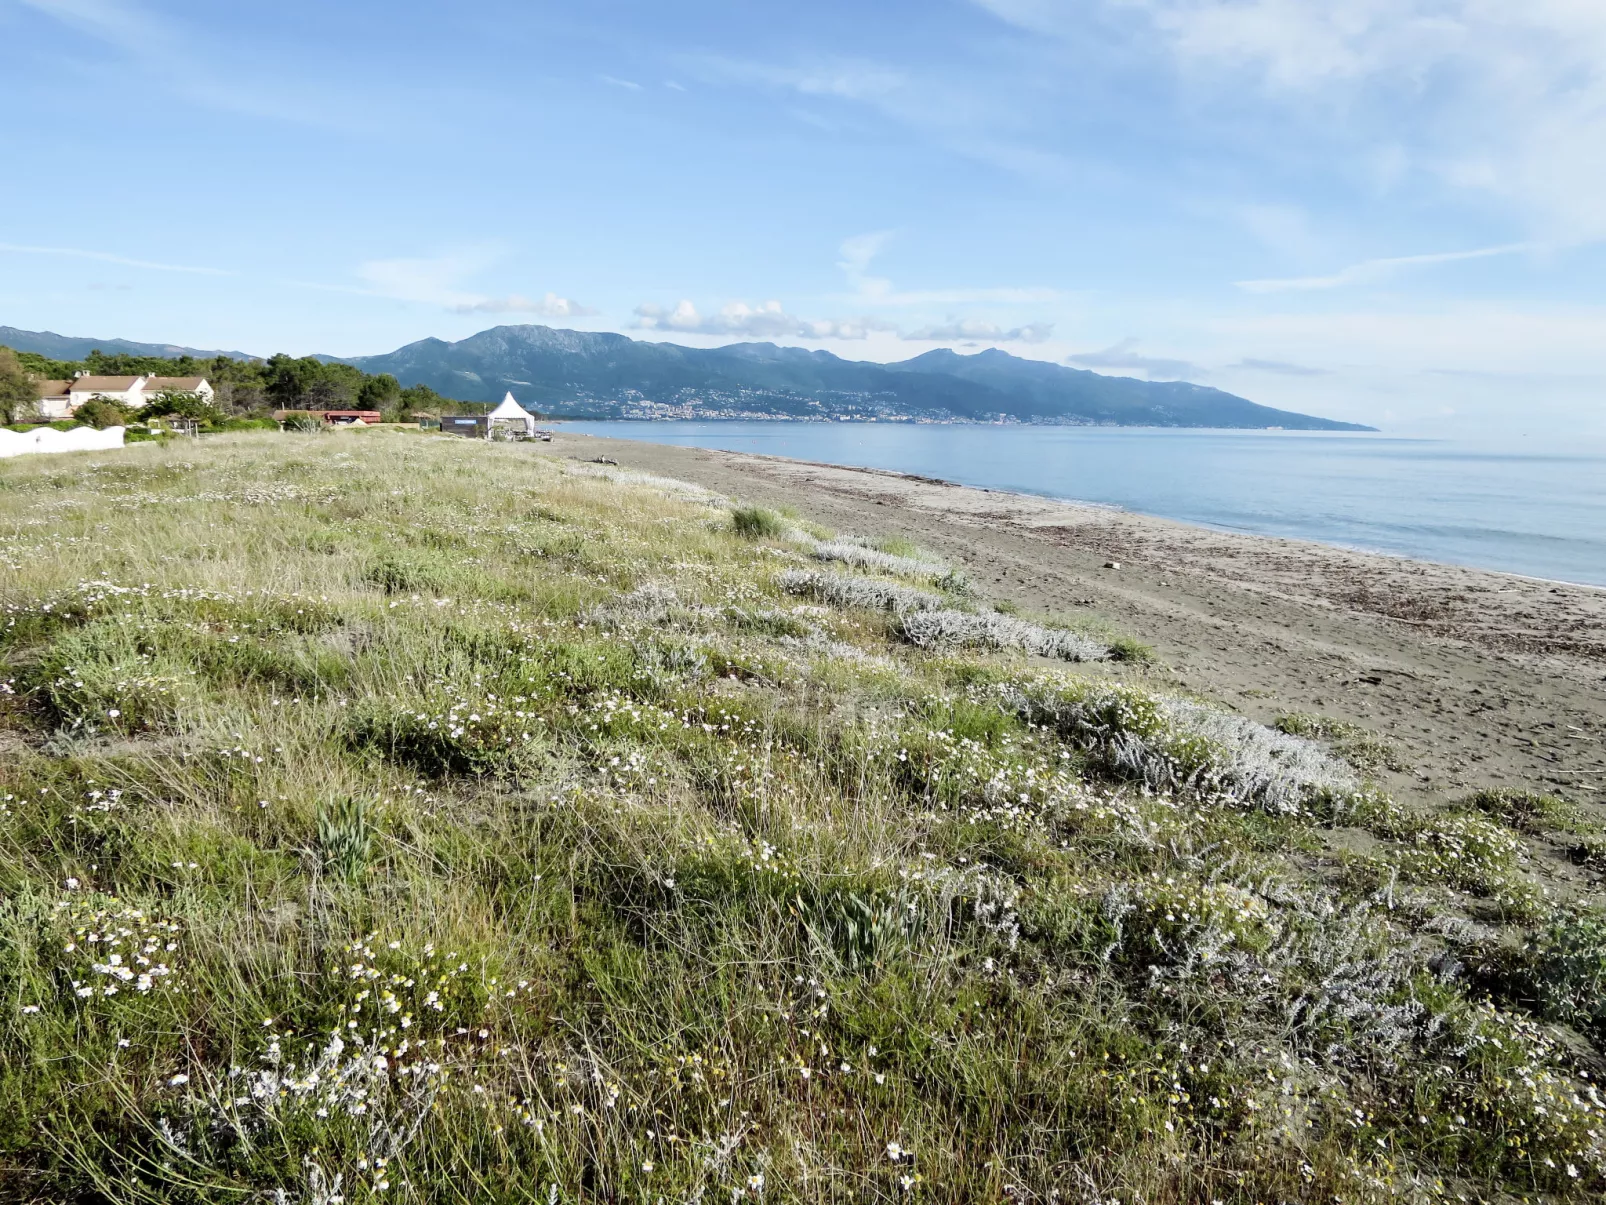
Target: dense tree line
245,388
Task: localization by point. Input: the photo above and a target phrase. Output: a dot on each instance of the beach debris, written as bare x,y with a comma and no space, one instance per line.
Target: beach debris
1112,564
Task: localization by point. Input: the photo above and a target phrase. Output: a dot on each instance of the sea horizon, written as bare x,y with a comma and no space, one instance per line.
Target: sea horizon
1536,510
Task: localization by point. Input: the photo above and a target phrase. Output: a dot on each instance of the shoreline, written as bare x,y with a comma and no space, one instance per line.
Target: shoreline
1433,556
1479,677
1117,508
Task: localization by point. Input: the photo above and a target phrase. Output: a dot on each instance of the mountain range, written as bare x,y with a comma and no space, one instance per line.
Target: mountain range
70,347
602,375
586,374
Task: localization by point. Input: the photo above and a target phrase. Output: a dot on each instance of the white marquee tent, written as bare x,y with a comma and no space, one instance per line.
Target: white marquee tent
511,412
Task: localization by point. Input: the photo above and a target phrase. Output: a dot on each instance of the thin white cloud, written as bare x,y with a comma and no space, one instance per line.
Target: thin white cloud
253,87
550,306
1488,96
432,279
770,320
1376,269
841,78
107,257
1285,229
1280,367
437,280
615,82
1122,356
767,320
116,21
857,253
973,331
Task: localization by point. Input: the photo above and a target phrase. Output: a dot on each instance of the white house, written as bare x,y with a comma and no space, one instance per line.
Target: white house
61,399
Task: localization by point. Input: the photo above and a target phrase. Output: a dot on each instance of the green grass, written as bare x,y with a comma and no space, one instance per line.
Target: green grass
1363,749
755,522
409,819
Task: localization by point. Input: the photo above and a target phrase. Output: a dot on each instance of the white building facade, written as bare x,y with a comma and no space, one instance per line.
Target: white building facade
61,399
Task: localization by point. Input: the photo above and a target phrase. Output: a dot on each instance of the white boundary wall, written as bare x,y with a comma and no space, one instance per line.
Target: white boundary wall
48,439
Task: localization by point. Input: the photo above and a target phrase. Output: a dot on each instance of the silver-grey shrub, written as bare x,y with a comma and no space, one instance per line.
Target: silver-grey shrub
1179,745
850,551
939,629
1259,763
848,590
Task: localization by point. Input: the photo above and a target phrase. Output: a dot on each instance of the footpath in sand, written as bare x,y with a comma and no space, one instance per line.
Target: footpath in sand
1478,678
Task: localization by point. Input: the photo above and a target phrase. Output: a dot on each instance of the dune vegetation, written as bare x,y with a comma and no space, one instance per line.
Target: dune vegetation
388,817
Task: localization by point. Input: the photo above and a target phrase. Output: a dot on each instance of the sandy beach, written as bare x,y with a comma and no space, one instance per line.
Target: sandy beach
1477,678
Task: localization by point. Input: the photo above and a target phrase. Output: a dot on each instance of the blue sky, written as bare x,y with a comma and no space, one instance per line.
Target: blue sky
1384,210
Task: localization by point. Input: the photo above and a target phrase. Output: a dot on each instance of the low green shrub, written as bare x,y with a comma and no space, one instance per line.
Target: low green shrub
1362,749
756,523
100,414
450,732
1566,966
345,837
411,573
1526,811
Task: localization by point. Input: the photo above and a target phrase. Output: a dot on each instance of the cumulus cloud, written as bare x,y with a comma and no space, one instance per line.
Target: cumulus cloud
1121,355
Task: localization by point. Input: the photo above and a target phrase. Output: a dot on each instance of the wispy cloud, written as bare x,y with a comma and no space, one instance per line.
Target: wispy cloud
1376,269
616,82
857,253
842,78
1506,100
1121,355
116,21
107,257
770,320
972,331
767,320
1280,368
253,87
438,280
550,306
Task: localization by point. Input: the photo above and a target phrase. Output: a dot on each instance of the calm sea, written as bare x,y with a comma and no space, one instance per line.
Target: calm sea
1531,510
